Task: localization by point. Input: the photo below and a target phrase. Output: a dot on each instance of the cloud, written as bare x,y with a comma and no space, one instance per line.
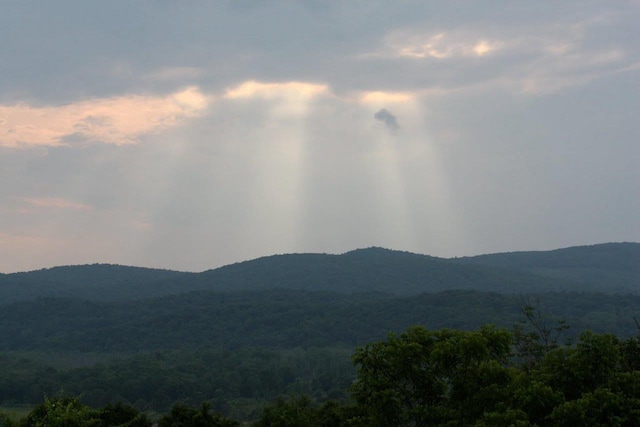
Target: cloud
254,89
375,97
285,99
176,73
527,55
117,120
555,71
441,45
55,203
387,118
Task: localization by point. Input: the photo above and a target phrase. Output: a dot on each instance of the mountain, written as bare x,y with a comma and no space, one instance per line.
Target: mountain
366,270
96,281
610,268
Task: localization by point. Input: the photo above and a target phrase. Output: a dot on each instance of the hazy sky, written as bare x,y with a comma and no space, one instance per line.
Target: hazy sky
189,135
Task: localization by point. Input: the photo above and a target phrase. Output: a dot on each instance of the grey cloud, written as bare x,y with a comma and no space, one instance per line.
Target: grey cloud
113,47
389,120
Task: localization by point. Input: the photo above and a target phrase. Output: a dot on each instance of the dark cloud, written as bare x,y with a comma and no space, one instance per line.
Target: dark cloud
387,118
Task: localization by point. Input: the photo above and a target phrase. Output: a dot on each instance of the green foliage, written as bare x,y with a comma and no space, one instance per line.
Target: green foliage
182,415
62,412
426,377
534,397
598,408
213,340
301,411
419,377
6,420
447,377
121,415
288,413
504,418
282,319
70,412
237,383
534,337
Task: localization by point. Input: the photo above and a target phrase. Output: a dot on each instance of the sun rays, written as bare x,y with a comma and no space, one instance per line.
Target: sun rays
410,182
287,167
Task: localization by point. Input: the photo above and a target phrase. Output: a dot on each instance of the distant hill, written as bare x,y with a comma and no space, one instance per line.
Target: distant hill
96,281
609,268
367,270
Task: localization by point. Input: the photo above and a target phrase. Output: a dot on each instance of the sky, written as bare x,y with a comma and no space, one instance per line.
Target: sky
190,135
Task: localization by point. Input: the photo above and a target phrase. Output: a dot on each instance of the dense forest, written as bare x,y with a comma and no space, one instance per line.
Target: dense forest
286,326
486,377
283,319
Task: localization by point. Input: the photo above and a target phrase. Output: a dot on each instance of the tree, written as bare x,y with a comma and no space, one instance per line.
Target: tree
288,413
182,415
424,377
601,407
591,382
302,411
6,420
594,362
61,412
534,336
119,414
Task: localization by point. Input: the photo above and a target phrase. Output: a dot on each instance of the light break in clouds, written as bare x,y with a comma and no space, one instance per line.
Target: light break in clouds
116,120
192,135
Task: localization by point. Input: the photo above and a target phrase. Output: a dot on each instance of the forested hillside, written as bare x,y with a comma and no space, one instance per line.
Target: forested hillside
241,350
608,268
421,377
284,319
611,267
242,335
96,282
368,270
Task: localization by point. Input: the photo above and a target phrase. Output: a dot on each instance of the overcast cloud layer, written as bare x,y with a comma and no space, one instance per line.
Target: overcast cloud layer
188,135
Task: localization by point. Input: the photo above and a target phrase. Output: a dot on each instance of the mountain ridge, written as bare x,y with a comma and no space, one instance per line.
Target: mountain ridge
607,267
